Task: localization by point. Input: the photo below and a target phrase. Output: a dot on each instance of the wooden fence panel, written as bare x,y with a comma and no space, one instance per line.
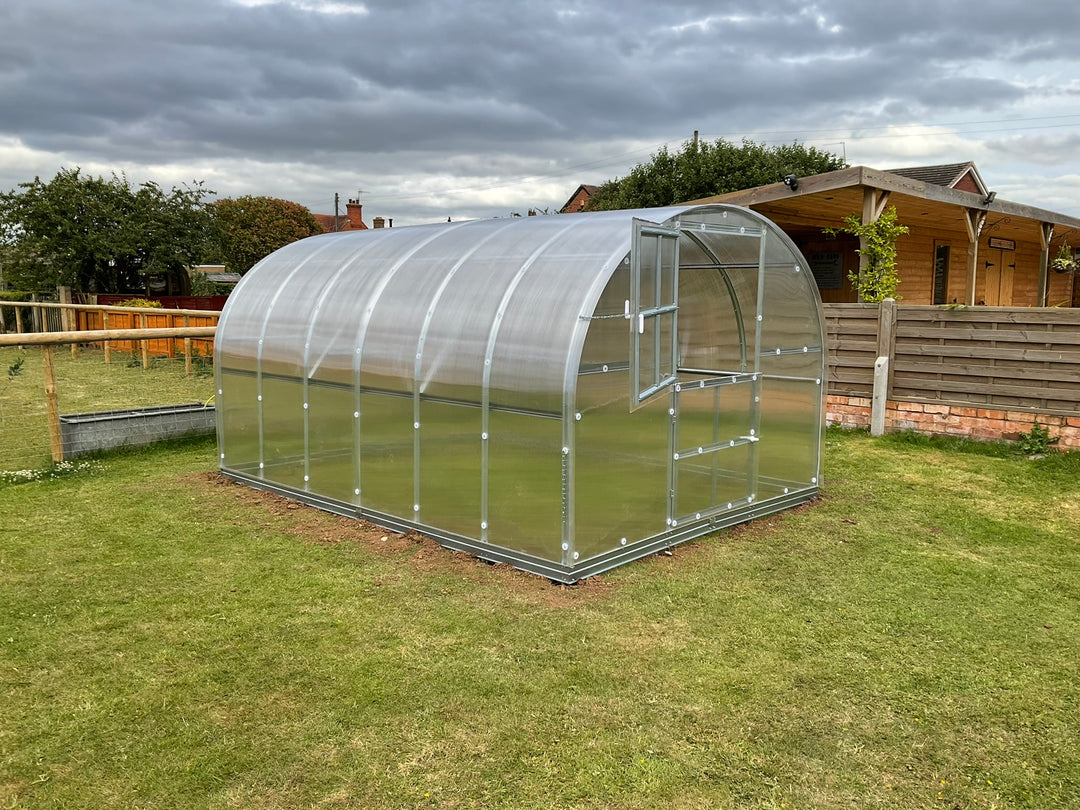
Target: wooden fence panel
851,341
990,357
155,318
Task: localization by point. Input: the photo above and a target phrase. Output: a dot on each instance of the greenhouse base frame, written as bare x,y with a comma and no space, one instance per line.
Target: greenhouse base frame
558,574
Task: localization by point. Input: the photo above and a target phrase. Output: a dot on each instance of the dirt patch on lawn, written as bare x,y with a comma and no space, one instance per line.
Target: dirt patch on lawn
313,525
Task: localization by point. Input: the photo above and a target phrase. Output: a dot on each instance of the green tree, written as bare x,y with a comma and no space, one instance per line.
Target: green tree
250,228
878,280
701,169
98,235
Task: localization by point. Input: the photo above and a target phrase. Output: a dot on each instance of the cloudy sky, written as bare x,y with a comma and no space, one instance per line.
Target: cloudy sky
437,108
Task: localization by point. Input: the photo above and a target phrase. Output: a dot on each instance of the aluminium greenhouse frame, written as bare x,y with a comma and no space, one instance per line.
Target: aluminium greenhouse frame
561,393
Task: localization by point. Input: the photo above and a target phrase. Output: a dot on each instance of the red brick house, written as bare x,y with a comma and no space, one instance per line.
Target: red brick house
579,199
351,221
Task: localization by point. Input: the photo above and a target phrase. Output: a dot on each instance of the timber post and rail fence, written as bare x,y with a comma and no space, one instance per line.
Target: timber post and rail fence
123,329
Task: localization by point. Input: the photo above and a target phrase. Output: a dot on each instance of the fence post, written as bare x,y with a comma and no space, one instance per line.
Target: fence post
145,345
883,365
18,321
188,370
107,345
52,406
69,320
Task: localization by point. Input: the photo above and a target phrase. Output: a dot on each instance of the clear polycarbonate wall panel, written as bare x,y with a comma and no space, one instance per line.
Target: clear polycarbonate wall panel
790,435
712,481
386,454
712,415
607,343
283,432
791,313
525,463
709,334
452,363
621,471
804,361
243,320
344,299
332,465
289,316
391,341
450,467
238,409
527,372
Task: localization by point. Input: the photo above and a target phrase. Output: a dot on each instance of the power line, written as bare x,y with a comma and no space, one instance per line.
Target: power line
888,131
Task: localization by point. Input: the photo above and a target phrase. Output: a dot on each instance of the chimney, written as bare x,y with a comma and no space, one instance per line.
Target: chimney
378,222
354,213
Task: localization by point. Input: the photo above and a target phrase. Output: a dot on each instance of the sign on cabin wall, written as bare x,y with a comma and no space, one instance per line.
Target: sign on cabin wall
1002,244
828,269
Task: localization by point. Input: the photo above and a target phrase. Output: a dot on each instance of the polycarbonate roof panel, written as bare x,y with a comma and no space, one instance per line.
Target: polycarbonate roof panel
449,307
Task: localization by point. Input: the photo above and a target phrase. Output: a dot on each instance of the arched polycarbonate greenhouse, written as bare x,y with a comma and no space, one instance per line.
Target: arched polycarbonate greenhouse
563,393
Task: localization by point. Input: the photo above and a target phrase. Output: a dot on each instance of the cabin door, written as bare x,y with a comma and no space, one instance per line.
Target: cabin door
1000,267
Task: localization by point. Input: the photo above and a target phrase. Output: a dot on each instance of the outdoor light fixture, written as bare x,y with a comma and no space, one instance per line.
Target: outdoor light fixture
990,198
791,181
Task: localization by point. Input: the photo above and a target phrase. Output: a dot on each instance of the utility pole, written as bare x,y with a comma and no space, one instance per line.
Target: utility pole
336,205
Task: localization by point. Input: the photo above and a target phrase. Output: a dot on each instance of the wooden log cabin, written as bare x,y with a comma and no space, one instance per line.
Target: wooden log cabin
964,246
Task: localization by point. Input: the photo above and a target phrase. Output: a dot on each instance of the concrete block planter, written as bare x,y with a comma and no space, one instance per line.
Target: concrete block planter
89,432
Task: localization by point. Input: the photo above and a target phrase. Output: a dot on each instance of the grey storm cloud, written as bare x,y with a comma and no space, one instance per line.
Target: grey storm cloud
340,82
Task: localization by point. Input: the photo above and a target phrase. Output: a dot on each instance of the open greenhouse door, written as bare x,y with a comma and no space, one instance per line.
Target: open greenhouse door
653,310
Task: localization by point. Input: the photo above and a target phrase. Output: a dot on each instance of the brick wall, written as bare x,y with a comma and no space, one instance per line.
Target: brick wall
982,424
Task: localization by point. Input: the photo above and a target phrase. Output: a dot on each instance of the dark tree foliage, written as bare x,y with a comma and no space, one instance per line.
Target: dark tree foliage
702,169
98,235
250,228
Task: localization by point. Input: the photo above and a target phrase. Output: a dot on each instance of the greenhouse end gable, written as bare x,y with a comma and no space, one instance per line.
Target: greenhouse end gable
561,393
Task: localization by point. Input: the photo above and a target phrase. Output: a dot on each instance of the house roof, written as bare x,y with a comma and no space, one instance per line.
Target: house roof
585,188
823,200
946,174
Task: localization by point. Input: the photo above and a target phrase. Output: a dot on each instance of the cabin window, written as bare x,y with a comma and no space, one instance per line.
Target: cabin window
941,274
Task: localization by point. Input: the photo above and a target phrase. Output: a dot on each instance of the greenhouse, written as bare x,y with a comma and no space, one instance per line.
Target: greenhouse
562,393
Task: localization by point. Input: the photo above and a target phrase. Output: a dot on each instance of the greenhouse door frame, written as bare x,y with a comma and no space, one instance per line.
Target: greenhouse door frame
653,310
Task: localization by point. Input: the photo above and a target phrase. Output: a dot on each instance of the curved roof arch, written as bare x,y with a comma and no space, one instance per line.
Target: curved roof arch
486,305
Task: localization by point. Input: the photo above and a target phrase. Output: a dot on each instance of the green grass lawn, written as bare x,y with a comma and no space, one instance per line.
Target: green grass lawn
84,383
912,640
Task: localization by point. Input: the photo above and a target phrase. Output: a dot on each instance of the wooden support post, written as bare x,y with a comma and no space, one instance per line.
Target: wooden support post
1046,233
106,345
874,202
52,406
145,344
18,322
188,369
974,219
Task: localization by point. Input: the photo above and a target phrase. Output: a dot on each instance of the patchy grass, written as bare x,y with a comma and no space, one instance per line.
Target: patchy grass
84,383
169,639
